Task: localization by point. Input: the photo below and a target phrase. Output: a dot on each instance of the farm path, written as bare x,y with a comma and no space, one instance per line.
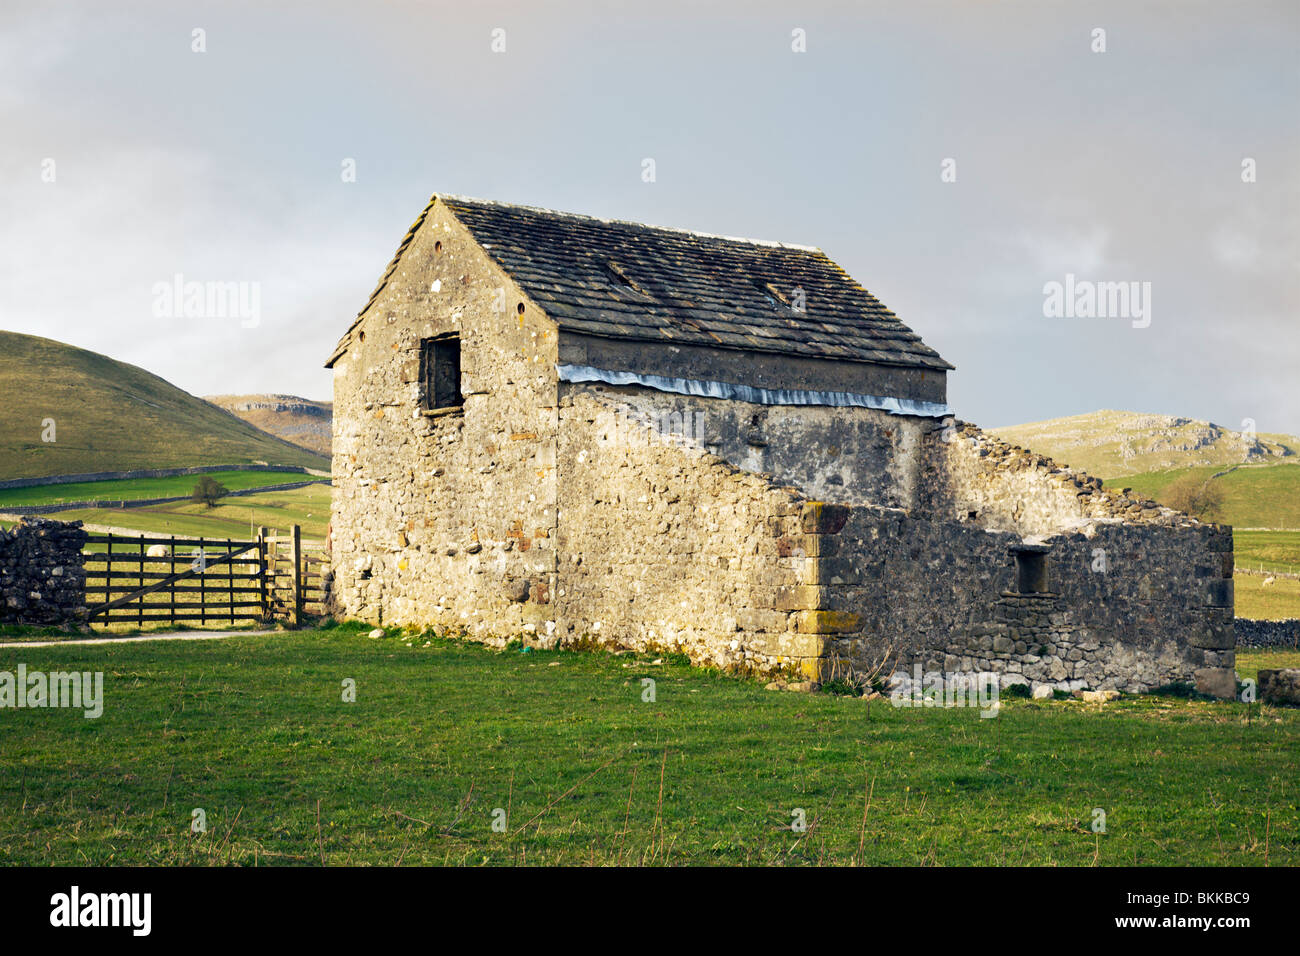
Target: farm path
161,636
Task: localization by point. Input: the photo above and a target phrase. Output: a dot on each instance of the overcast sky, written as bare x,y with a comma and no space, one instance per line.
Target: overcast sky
1117,166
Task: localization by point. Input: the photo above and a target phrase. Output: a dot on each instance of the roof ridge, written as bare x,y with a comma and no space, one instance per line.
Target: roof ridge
771,243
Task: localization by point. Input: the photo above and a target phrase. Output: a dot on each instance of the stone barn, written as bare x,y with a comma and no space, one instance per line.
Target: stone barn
586,432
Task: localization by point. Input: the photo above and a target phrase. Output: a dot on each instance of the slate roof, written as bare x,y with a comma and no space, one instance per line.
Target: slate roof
628,280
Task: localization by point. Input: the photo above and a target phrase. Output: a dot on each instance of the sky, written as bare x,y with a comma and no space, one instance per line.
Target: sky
957,158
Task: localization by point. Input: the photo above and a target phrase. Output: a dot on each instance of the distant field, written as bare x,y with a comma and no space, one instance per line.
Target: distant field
1255,496
1253,659
1273,551
132,488
308,507
1268,550
1277,601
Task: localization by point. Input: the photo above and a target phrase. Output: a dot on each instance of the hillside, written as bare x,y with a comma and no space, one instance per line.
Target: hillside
110,416
299,420
1254,496
1107,444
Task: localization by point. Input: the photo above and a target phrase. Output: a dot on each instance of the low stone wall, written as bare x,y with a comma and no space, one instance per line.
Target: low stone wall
1124,607
42,575
1252,633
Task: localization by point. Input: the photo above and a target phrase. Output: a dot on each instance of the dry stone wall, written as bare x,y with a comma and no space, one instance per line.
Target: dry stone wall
42,572
977,477
1252,633
1126,608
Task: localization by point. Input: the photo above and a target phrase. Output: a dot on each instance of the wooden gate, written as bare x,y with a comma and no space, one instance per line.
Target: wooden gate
141,579
295,569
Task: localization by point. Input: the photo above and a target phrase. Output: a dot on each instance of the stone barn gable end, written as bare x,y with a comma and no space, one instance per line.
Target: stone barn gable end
590,432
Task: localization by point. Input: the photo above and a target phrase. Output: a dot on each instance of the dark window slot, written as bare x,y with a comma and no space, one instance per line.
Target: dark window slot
440,373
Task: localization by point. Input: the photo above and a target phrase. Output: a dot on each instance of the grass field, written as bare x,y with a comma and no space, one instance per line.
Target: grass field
308,507
129,489
1273,602
1255,496
1271,551
253,732
1252,660
1267,550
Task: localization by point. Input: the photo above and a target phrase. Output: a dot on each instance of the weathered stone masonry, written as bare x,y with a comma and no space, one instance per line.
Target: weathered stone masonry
447,518
42,572
603,484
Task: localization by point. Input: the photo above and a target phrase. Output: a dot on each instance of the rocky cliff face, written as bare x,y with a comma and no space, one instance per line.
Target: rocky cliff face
1111,443
299,420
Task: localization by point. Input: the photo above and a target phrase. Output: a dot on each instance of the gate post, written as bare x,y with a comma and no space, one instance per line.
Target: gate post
262,572
296,548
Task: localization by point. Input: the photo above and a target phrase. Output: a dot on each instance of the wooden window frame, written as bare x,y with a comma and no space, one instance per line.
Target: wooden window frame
436,354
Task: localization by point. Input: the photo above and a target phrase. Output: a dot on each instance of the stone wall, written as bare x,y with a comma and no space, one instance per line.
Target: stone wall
145,502
974,476
42,575
446,518
1126,607
664,546
1252,633
850,454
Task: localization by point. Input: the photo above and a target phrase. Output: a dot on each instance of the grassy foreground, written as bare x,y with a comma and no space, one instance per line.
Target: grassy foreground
254,732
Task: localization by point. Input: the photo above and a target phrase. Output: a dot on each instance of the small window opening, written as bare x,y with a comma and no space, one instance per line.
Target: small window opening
1031,571
440,373
437,246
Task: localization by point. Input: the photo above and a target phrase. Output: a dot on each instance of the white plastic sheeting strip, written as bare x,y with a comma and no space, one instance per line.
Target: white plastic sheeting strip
758,396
